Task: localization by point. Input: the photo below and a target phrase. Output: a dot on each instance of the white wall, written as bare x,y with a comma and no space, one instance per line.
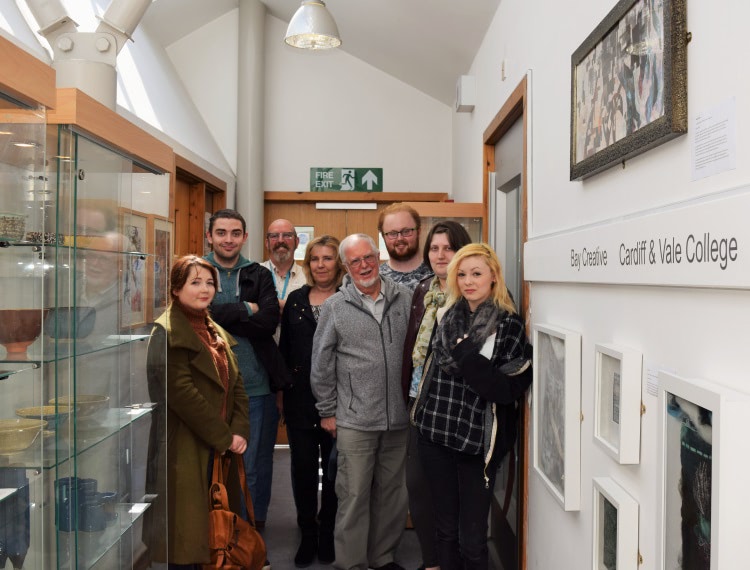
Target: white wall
150,92
13,27
695,332
206,62
333,110
149,87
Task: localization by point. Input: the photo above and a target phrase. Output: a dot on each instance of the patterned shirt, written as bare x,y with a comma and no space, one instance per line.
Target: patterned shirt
409,279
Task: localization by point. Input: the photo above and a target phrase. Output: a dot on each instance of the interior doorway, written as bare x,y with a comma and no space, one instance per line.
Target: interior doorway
198,194
505,193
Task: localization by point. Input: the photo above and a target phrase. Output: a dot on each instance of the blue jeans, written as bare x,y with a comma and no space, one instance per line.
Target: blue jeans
264,421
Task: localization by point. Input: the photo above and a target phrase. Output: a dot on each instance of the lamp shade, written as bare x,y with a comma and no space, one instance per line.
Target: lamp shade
312,27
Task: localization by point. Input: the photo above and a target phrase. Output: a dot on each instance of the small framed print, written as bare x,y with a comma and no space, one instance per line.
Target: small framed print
615,527
162,251
617,411
133,312
305,234
704,494
557,413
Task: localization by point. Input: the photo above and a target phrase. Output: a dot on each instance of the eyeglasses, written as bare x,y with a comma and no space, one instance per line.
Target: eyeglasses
370,259
406,232
286,236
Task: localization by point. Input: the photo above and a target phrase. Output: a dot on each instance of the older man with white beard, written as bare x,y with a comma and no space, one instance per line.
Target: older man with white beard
355,379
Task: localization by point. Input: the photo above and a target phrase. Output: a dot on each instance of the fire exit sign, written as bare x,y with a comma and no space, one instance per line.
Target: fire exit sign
346,179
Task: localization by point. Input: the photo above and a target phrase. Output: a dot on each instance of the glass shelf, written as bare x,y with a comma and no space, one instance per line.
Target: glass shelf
6,372
52,450
51,352
47,247
93,546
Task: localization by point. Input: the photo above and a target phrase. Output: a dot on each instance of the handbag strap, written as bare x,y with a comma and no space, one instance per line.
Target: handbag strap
245,494
218,492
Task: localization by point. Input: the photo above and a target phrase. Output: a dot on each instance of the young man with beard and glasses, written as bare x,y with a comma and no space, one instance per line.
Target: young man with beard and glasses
399,225
246,306
356,379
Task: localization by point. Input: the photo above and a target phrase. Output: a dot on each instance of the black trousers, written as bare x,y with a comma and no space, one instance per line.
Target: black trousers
310,450
461,504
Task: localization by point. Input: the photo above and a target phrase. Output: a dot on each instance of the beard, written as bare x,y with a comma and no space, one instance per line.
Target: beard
281,254
367,283
411,251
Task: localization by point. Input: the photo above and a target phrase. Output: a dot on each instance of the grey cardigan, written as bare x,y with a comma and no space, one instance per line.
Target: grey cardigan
356,361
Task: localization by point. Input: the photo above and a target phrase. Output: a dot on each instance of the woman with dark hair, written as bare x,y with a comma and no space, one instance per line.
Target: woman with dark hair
205,412
466,408
427,307
308,442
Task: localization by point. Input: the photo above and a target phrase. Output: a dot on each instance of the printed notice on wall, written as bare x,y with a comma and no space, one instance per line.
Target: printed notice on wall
714,140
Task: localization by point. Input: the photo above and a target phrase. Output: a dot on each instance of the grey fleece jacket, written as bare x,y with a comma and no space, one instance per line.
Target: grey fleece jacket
356,362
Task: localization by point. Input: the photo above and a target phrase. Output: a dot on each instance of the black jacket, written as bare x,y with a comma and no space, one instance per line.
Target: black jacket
415,321
297,330
256,286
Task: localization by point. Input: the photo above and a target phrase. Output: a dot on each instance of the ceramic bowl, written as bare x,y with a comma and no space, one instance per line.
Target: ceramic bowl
12,226
65,323
19,434
48,238
54,417
86,404
18,329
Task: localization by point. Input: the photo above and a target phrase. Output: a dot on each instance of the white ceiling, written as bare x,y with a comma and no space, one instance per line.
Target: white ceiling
427,44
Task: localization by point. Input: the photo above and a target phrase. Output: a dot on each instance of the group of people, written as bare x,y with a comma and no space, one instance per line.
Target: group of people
401,379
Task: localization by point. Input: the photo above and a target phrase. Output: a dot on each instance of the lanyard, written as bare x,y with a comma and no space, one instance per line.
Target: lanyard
286,283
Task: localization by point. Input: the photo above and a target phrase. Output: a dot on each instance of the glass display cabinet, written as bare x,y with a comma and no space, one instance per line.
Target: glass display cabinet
77,274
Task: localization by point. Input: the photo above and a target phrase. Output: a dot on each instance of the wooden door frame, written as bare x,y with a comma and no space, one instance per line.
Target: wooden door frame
377,197
515,107
202,183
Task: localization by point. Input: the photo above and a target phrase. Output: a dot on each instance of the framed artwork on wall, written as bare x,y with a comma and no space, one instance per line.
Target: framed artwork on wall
704,449
305,234
557,412
629,85
615,518
134,269
617,402
162,265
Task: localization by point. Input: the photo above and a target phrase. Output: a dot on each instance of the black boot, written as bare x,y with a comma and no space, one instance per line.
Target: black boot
326,550
307,550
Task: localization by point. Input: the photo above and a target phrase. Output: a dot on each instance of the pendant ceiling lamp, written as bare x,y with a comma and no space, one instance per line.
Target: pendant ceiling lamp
312,27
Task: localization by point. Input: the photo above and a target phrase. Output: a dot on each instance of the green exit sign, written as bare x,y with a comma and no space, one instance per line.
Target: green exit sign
346,179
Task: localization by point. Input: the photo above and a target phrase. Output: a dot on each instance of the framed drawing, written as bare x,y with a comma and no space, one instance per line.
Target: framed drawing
704,450
615,527
134,270
617,402
305,234
629,85
162,265
557,412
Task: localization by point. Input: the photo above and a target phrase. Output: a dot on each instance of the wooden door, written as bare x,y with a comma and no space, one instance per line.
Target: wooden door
331,222
198,194
509,510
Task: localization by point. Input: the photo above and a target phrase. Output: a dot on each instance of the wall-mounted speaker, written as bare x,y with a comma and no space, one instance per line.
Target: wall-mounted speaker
466,93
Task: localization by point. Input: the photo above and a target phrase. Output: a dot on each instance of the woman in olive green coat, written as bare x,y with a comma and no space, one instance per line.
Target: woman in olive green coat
206,412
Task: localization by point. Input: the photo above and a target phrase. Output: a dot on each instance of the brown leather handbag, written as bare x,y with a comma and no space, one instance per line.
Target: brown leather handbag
234,543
